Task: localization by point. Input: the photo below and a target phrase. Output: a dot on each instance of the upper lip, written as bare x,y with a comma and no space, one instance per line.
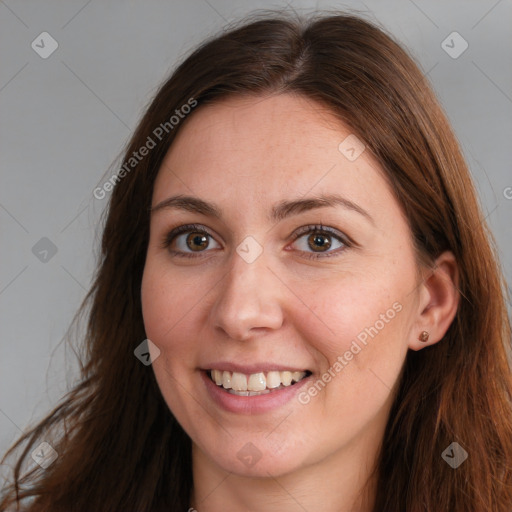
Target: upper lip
252,368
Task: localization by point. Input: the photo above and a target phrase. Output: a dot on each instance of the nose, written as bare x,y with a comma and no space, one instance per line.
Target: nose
248,301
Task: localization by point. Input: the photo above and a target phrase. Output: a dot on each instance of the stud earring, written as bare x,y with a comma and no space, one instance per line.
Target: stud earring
424,336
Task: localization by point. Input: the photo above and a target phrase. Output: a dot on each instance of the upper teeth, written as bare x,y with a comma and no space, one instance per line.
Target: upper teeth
255,381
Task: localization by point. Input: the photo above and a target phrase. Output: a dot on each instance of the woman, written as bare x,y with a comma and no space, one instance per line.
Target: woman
373,377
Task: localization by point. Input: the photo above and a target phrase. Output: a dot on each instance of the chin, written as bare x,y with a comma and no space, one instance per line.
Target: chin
254,456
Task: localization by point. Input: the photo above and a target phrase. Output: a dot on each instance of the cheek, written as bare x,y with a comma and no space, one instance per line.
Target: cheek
167,315
166,308
357,329
353,309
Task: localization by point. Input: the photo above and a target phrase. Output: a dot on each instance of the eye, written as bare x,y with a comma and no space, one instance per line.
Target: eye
320,240
187,240
191,240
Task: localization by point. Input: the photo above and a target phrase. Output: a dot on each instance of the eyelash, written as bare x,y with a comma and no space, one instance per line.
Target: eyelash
312,228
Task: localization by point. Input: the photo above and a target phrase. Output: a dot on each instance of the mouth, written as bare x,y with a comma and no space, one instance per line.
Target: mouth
255,384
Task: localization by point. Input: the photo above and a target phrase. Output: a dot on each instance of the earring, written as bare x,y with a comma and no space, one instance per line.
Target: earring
424,336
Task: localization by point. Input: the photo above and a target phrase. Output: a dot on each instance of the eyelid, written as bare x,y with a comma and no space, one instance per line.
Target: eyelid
310,228
171,235
345,240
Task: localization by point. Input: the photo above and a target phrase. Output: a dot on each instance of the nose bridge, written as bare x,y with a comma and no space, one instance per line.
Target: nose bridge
248,298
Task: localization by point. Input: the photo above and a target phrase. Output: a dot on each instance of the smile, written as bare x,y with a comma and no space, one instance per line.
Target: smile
255,384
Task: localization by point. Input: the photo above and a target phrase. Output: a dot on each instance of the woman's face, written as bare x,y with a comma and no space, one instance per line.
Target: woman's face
271,279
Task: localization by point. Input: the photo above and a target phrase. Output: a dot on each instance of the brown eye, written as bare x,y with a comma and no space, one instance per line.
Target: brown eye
316,241
197,241
189,239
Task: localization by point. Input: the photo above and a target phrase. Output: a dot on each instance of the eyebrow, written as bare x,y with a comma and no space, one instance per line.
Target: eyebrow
279,212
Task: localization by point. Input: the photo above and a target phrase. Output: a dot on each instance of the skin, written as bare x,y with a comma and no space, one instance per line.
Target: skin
246,155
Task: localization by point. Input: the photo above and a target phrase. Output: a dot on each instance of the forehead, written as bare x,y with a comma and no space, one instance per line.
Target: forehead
251,151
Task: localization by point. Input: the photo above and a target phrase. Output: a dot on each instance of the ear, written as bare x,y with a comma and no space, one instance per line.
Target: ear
438,301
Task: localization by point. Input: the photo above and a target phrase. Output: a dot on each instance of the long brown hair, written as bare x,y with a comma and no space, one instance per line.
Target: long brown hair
120,447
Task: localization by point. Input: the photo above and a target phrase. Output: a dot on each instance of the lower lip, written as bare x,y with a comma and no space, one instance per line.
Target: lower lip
251,404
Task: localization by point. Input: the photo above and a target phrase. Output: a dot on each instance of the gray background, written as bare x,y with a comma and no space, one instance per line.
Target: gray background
65,119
